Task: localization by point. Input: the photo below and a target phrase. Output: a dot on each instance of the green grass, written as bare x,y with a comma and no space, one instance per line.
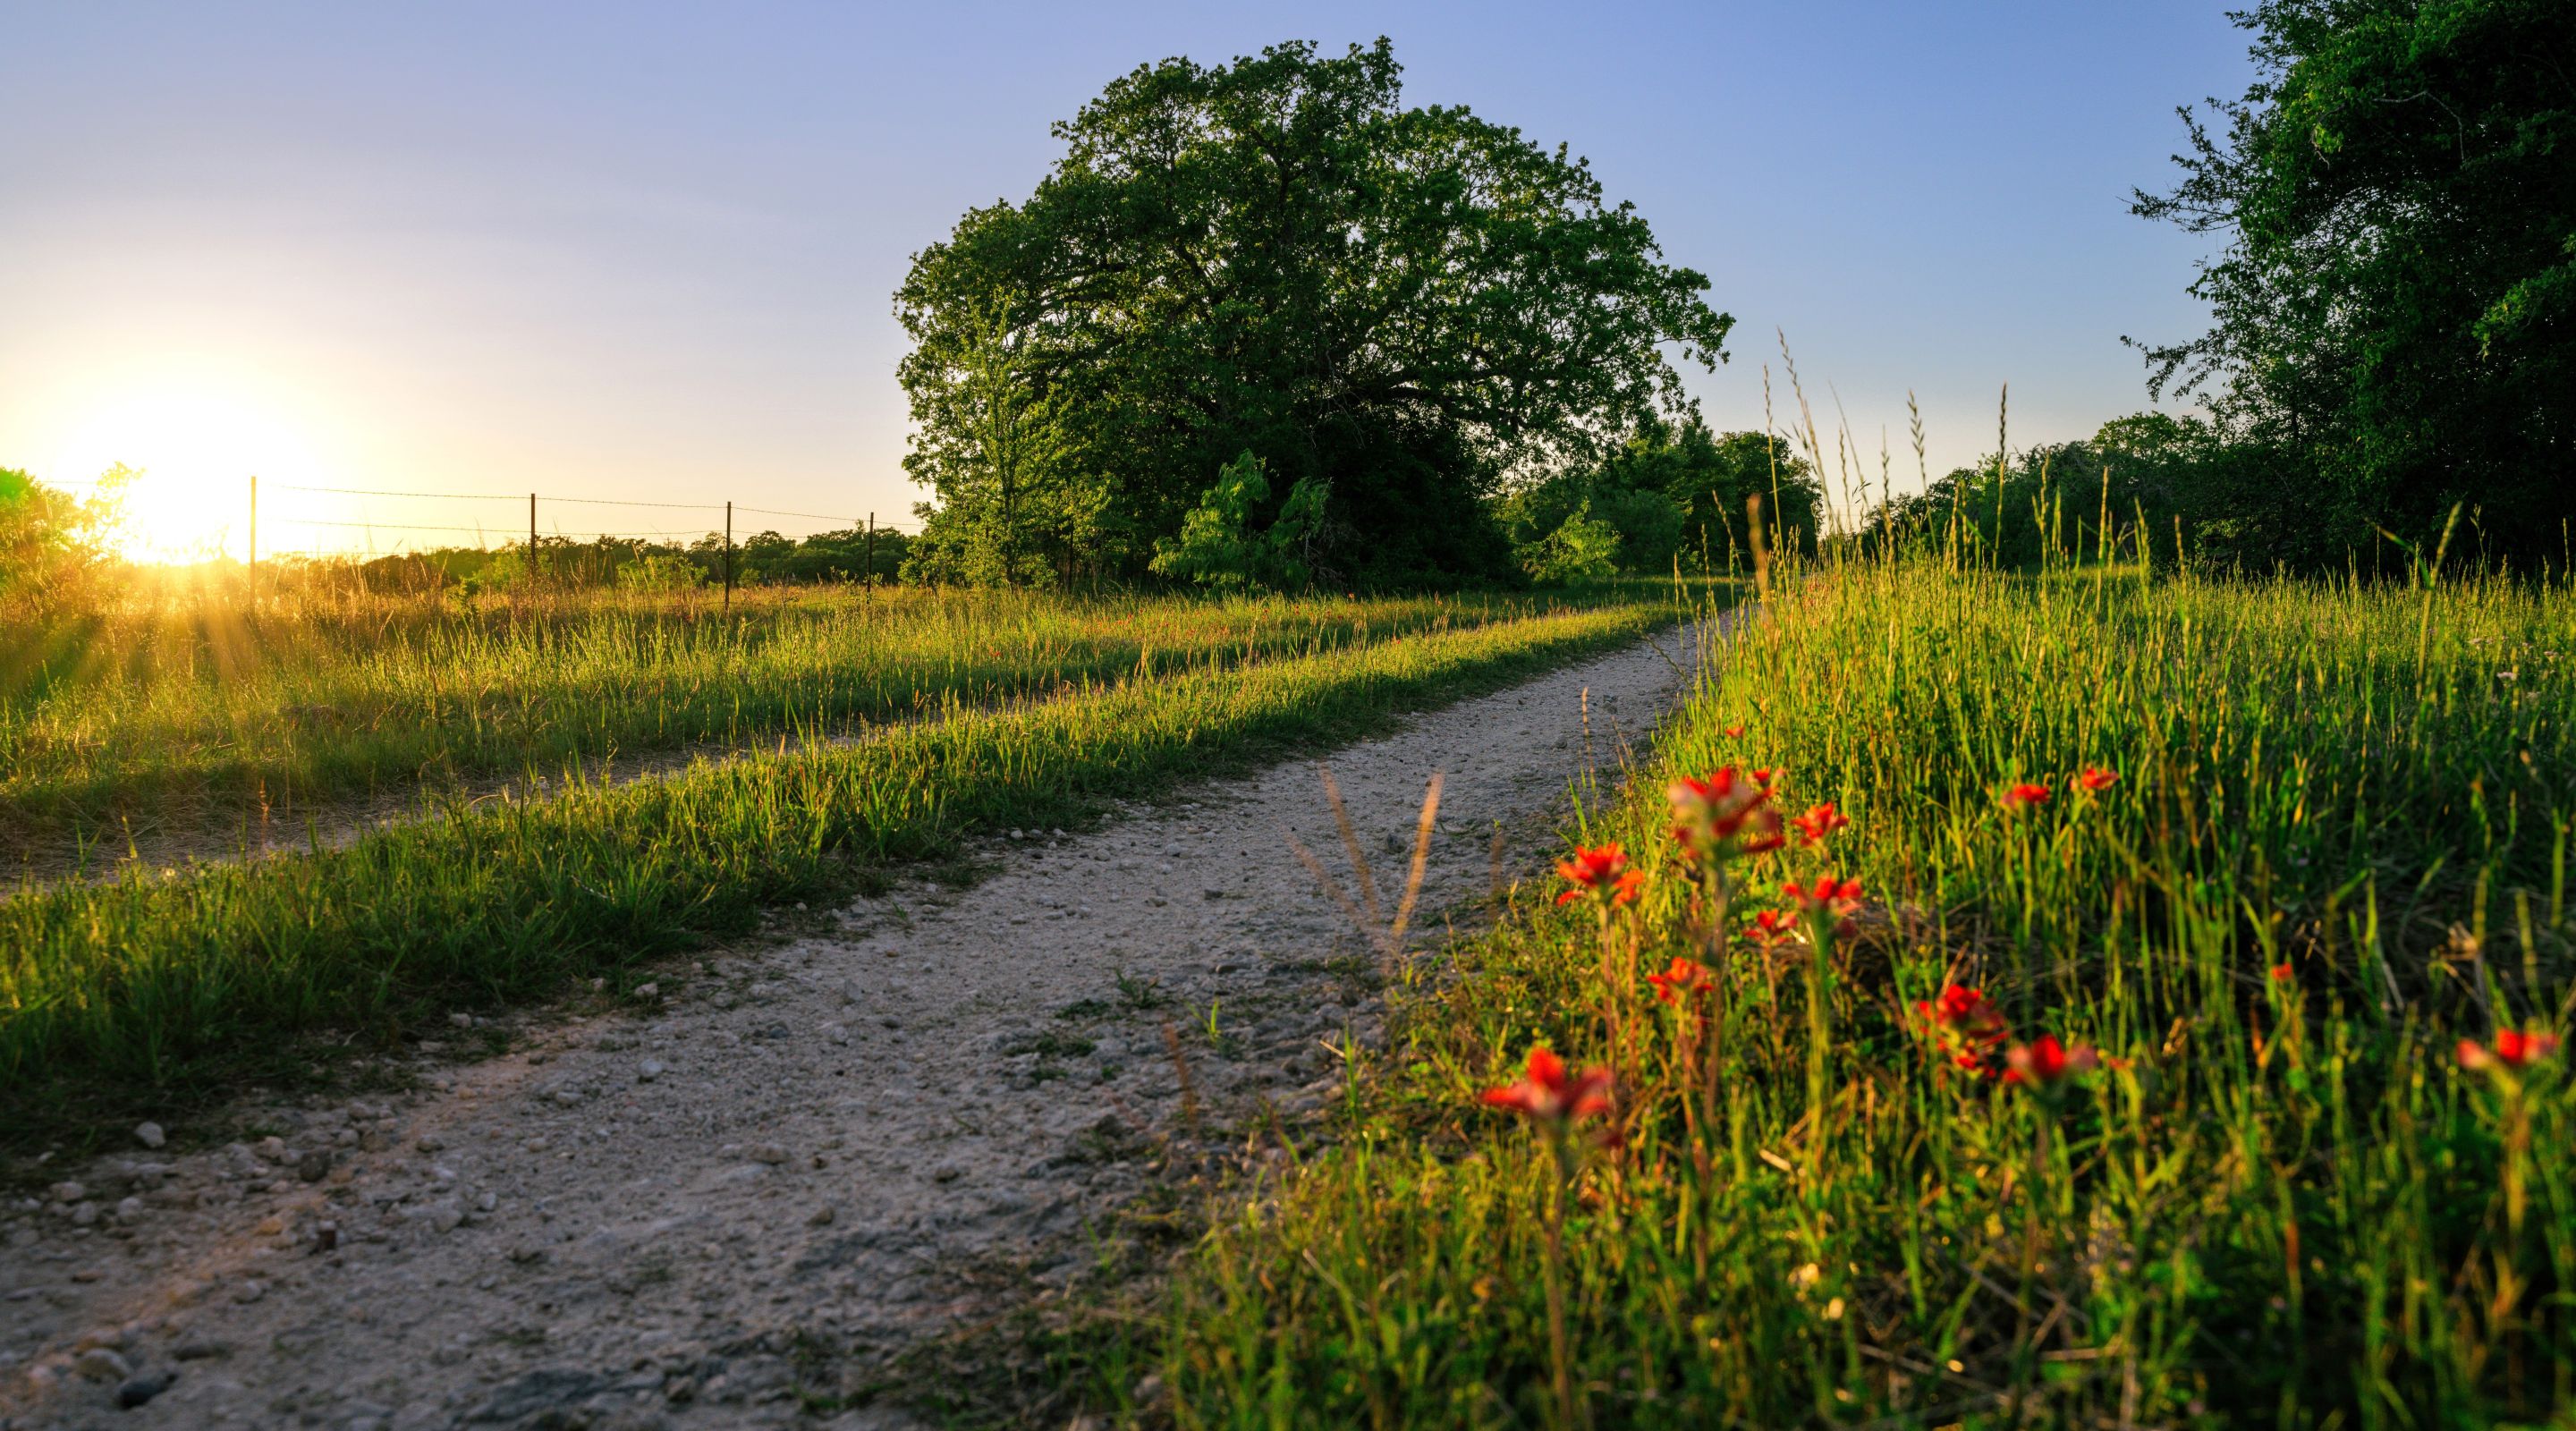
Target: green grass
2288,1205
196,702
147,993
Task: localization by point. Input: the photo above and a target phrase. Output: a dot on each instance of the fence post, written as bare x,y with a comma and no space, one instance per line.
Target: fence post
728,557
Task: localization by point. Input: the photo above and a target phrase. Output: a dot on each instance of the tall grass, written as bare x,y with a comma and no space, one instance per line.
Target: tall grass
149,992
2337,846
198,698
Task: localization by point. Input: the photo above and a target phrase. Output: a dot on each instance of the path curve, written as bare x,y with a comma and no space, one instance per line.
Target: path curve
815,1150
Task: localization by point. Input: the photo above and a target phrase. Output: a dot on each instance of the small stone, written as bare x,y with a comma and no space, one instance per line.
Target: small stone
102,1364
837,1033
314,1166
648,992
822,1216
272,1149
69,1192
272,1226
648,1070
461,1020
150,1135
85,1215
770,1153
429,1142
487,1202
200,1349
249,1292
445,1216
136,1390
89,1274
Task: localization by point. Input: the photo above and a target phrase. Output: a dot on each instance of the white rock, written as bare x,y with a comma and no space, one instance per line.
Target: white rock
150,1135
770,1153
69,1192
649,1070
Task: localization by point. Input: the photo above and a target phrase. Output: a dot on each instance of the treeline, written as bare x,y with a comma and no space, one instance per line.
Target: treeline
1264,324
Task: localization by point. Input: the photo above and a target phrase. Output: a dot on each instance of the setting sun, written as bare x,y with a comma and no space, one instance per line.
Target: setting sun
194,455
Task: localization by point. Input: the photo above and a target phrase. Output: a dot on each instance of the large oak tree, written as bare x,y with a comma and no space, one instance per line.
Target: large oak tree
1276,256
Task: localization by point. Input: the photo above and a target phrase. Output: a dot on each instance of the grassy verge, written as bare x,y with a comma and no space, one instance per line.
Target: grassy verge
145,993
2336,847
298,702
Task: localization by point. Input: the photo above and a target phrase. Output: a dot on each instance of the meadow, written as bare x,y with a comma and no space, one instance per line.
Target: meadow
159,990
2167,1039
189,704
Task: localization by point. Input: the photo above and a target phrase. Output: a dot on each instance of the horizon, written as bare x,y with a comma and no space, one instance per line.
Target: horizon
649,256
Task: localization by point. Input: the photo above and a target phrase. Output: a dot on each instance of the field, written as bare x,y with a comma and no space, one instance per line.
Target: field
197,713
158,989
2294,1168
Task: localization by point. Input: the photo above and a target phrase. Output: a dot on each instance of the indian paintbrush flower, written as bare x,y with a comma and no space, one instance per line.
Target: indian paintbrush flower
1600,871
2095,780
1966,1026
2023,796
1723,813
1551,1094
2043,1063
1680,979
1817,823
2514,1052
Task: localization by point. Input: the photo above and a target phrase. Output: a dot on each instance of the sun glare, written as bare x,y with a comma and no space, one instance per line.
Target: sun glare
196,455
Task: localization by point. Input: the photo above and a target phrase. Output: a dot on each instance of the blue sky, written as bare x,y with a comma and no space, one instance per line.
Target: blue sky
646,251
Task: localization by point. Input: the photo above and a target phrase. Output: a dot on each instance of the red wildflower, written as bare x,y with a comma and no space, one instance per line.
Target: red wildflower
1722,813
1818,822
1681,979
1966,1025
1547,1093
2514,1051
2024,795
2095,780
1734,731
1773,925
2281,972
1831,896
1600,870
2045,1063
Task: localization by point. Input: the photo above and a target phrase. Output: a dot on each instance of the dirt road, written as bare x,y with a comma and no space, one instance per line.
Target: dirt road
727,1205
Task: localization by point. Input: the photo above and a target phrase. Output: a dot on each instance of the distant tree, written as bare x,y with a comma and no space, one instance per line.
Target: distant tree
1398,305
1674,491
2395,304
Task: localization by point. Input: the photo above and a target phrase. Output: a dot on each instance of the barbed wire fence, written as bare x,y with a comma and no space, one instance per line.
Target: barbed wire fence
867,525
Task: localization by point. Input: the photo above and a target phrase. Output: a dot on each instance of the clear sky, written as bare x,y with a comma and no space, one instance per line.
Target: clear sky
645,252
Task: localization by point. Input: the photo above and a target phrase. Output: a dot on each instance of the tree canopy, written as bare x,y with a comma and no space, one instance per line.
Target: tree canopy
1389,308
2395,304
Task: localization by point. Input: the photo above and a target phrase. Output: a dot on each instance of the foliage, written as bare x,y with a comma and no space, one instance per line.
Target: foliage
2395,306
1676,492
1216,547
2235,866
132,996
1580,549
1395,304
52,544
